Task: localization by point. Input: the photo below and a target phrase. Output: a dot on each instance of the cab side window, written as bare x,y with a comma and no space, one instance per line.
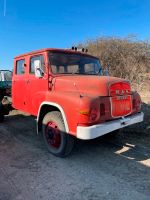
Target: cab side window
20,67
35,59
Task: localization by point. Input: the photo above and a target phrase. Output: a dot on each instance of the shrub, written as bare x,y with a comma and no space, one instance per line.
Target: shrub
127,58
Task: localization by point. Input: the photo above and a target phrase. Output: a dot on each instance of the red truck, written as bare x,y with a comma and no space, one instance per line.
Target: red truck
71,98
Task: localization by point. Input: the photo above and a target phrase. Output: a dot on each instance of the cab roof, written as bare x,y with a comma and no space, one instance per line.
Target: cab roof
54,50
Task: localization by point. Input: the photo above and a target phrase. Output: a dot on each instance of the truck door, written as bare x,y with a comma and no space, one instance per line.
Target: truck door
19,85
36,86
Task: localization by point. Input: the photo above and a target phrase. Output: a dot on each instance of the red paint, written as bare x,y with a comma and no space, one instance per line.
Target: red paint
121,105
52,134
80,96
136,102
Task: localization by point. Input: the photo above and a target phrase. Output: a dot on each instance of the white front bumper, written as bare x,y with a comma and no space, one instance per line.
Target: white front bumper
91,132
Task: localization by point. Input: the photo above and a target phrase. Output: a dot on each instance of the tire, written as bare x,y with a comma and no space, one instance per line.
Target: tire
115,134
58,142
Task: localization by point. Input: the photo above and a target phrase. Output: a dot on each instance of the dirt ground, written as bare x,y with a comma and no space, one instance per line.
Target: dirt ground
111,168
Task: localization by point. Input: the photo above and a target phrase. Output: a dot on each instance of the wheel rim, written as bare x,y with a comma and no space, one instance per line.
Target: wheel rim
53,135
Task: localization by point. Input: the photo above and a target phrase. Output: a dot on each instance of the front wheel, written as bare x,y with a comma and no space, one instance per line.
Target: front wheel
58,142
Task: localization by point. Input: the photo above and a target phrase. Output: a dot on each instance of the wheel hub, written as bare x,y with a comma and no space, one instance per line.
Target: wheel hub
53,135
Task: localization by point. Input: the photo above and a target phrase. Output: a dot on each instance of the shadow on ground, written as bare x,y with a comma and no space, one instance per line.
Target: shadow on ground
93,171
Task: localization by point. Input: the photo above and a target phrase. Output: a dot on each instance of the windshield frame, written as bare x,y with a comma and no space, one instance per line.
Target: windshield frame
79,55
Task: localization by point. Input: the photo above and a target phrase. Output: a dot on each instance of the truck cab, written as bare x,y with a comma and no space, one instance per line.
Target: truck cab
70,96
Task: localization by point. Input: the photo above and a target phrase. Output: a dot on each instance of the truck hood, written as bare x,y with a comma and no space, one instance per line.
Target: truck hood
85,85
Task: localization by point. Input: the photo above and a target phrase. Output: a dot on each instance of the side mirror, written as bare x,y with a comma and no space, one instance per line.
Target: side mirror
38,71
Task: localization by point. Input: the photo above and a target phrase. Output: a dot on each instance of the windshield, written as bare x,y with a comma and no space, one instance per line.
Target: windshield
67,63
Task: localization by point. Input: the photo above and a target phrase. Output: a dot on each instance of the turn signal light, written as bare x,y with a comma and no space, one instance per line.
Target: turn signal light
136,102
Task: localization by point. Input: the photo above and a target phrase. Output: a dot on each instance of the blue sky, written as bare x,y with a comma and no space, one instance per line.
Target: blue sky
30,25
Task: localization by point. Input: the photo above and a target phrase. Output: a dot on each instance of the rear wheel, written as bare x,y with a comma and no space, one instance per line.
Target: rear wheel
56,139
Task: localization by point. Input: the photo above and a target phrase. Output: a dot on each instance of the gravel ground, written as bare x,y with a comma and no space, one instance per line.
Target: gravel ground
115,168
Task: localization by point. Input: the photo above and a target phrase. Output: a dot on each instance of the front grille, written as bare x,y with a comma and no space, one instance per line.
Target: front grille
121,105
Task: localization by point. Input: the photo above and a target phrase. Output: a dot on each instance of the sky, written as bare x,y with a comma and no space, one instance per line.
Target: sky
30,25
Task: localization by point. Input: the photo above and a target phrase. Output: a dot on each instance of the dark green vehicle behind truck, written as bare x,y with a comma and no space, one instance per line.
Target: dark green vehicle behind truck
5,92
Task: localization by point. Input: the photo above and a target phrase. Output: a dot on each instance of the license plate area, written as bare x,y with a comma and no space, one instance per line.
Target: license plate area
121,106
